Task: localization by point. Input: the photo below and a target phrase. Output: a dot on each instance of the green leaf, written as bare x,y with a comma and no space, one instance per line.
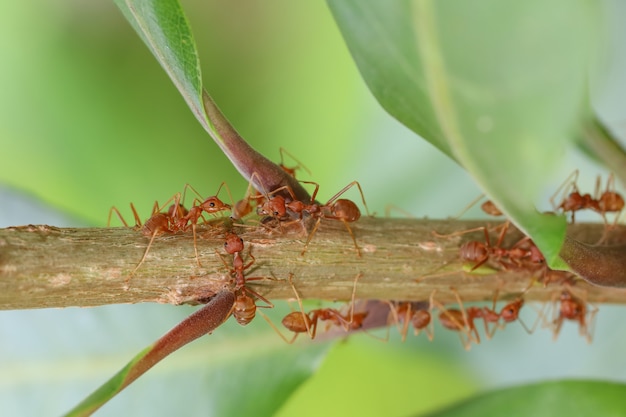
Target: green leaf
498,86
560,398
598,143
253,361
164,29
203,321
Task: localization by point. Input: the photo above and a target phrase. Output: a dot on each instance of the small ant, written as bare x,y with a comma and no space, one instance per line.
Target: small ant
462,319
335,208
245,306
602,202
523,250
408,313
244,207
574,309
488,207
291,170
491,209
508,314
300,322
158,223
210,205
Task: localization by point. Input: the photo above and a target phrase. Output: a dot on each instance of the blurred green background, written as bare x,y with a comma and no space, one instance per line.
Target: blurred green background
89,120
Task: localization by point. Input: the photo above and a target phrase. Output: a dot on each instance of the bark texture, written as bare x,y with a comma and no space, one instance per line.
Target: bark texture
44,266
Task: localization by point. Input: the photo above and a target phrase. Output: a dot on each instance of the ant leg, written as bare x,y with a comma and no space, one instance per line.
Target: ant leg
430,329
305,318
490,332
456,324
230,195
349,323
145,254
195,244
567,186
469,206
278,332
405,324
291,171
356,247
453,234
308,240
136,216
394,307
317,188
268,303
197,194
390,207
119,215
468,323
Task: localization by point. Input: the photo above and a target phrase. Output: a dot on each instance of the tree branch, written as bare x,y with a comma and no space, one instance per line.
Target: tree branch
43,266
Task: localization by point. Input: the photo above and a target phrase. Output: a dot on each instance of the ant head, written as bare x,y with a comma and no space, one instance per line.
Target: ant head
490,208
571,307
214,205
510,312
273,207
233,243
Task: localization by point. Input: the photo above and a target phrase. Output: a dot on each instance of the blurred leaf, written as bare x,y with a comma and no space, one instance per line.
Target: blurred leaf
208,377
560,398
497,86
597,141
203,321
367,378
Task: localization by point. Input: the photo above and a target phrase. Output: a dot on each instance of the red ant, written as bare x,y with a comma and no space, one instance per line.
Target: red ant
291,170
407,312
245,306
210,205
300,322
462,319
602,202
491,209
335,208
508,314
488,207
458,320
575,309
522,251
157,224
244,207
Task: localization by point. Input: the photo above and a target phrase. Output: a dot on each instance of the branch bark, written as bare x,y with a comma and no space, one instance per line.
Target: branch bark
43,266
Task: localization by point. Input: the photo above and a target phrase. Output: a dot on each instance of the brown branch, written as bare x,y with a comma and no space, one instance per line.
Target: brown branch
42,266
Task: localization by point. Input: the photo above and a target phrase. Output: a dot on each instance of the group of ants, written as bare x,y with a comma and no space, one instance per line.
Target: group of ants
277,210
